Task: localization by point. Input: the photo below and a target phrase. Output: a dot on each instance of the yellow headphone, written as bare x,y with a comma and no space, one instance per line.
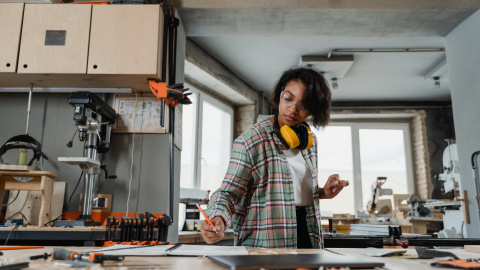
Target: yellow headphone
299,137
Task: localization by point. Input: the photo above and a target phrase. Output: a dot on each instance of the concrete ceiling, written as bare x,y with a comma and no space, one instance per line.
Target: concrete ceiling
258,43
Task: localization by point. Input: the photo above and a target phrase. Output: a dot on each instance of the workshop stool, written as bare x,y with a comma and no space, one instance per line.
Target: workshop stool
42,181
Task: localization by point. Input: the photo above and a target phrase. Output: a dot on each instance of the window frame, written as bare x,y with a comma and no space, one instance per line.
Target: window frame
201,97
357,174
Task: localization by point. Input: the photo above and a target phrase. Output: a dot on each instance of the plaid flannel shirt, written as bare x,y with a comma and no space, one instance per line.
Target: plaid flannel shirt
257,192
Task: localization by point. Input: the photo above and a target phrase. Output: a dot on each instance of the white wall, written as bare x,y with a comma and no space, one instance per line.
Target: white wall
463,59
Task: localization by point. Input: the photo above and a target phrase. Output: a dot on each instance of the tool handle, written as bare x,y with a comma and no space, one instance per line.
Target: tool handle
401,243
63,254
42,256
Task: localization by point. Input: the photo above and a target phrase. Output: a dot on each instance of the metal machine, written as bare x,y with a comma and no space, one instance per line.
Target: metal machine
453,218
94,119
376,192
418,207
189,197
451,169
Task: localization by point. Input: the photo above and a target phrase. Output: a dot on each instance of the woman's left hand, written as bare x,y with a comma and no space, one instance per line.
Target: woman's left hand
333,186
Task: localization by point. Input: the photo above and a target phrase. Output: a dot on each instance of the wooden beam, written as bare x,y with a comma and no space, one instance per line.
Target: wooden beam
325,4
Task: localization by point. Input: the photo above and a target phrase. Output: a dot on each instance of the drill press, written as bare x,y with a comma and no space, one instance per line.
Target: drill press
94,119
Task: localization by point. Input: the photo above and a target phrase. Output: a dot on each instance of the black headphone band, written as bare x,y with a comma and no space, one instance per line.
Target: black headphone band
301,132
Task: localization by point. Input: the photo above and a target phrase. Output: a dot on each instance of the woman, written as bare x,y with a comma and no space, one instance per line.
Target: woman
270,192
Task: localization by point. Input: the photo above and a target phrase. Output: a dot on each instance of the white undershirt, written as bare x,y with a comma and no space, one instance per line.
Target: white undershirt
302,177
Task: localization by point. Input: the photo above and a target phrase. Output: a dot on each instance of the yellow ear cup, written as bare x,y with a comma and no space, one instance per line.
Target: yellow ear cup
310,138
289,136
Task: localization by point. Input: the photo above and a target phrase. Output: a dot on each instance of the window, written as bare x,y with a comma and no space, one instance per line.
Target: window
382,153
216,145
335,156
189,127
360,152
207,131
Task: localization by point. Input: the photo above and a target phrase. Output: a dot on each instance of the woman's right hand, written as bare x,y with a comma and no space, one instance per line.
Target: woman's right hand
212,234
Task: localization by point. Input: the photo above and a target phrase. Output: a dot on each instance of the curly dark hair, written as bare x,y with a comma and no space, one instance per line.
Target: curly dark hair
317,98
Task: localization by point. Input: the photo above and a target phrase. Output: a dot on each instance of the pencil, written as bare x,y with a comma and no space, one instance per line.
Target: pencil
204,215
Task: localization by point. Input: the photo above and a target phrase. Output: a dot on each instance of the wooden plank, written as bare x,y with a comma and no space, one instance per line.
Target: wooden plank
76,81
29,173
15,167
37,57
472,248
8,183
29,203
10,27
126,39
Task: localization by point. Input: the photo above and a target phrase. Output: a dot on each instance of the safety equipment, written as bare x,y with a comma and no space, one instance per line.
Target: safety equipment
24,141
299,137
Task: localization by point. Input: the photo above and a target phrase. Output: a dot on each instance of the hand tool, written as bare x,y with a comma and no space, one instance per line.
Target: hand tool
401,243
41,256
14,266
143,223
123,222
126,228
151,223
163,223
161,229
99,257
116,222
138,230
149,218
108,224
64,254
133,228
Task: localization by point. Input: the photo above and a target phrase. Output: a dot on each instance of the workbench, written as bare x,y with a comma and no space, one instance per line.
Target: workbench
203,263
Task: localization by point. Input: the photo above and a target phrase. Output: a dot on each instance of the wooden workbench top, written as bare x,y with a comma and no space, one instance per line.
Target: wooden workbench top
203,263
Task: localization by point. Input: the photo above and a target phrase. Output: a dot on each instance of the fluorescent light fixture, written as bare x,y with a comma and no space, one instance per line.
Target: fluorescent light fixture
336,66
63,90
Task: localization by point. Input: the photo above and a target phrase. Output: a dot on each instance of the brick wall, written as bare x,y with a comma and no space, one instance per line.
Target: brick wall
245,117
420,156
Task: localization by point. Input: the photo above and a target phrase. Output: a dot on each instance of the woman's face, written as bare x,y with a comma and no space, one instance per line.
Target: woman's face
290,109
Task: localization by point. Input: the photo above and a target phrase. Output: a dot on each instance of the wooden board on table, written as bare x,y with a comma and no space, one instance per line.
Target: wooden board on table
472,248
29,202
5,167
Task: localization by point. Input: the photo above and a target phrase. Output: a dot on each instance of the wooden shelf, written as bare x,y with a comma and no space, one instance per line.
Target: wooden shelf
10,28
102,46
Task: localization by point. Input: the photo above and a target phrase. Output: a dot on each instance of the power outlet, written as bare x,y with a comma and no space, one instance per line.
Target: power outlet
100,203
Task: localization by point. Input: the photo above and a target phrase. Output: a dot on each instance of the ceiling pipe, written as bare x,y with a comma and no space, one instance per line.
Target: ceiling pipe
407,50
